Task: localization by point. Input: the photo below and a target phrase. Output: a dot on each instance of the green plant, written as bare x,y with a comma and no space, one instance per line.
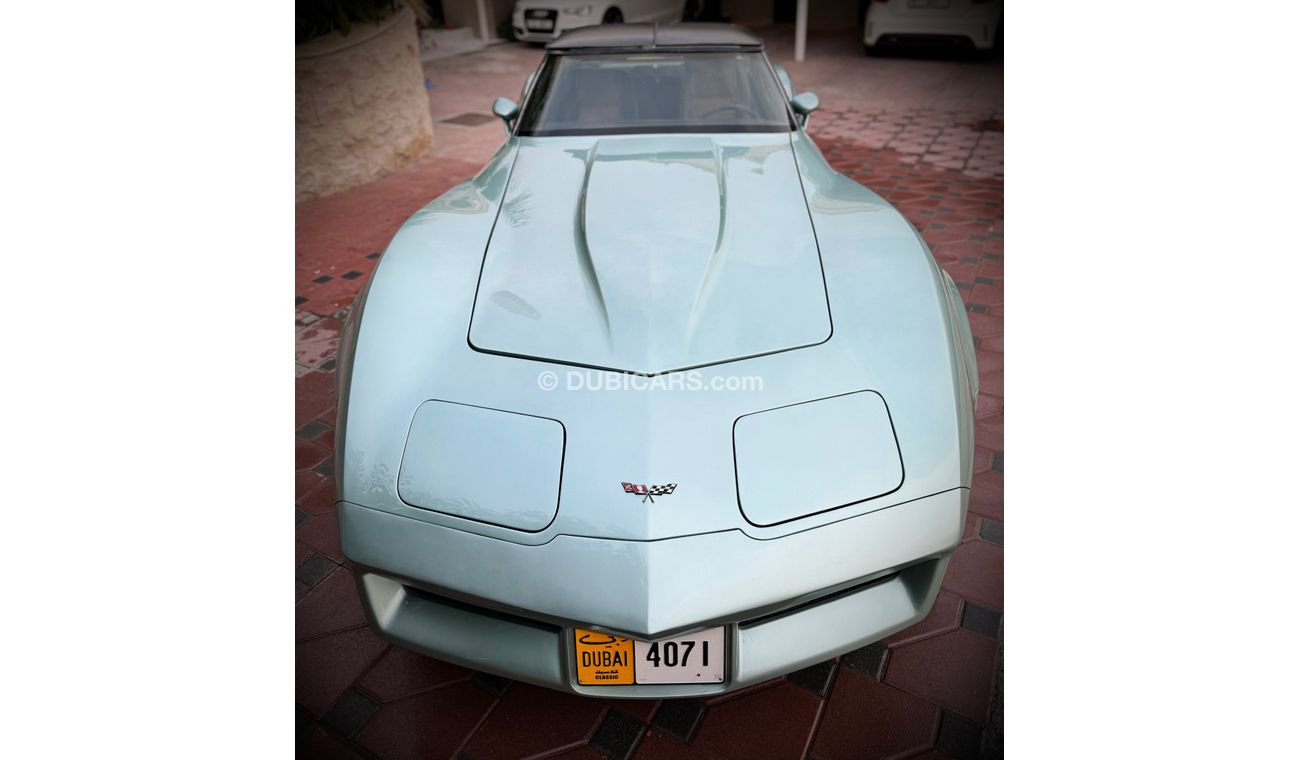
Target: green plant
314,18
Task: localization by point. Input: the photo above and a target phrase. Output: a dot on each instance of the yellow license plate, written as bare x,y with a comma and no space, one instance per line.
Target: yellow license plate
603,658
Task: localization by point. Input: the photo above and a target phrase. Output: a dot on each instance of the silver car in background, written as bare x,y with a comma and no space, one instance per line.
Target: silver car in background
658,404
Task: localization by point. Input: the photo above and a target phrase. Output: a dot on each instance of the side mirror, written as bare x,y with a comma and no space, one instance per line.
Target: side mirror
506,109
804,104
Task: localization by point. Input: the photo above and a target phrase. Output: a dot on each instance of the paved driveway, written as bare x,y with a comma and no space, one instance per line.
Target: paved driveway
924,134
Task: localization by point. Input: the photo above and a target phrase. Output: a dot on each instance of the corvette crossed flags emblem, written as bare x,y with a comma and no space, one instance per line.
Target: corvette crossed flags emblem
648,492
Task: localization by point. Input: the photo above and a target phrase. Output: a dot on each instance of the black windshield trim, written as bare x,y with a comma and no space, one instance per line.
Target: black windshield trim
693,129
656,49
548,67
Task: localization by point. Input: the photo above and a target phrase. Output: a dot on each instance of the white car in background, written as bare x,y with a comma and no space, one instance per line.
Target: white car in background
544,20
893,21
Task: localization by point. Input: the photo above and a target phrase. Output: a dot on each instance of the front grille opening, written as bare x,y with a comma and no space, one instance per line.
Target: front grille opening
802,606
419,593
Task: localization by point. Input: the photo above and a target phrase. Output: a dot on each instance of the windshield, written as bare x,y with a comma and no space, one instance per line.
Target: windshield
626,93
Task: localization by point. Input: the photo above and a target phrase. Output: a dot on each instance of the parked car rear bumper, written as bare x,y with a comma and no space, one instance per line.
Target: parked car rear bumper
980,27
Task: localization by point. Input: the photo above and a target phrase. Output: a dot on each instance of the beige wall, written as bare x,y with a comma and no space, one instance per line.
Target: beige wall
462,13
361,112
465,13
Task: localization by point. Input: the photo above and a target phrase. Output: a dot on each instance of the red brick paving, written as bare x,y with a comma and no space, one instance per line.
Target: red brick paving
866,719
319,744
975,573
641,709
319,500
307,455
433,724
660,746
328,665
430,709
402,673
953,669
986,488
581,753
331,606
530,720
776,722
322,534
967,141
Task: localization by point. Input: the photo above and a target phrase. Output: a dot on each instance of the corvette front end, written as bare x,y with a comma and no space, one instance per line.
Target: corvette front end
655,538
858,583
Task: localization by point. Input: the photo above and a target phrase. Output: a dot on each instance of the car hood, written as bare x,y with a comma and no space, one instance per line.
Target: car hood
520,450
651,254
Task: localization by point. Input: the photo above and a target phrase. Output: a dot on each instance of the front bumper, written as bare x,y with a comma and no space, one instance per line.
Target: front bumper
563,22
978,27
789,602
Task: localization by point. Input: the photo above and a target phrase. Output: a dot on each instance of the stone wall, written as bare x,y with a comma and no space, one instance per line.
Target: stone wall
362,112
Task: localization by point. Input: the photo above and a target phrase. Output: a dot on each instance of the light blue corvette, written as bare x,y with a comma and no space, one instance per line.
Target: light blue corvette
658,404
